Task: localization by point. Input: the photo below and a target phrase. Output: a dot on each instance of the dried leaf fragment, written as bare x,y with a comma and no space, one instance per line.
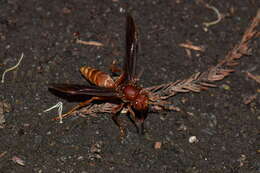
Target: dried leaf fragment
254,77
249,99
18,160
4,107
3,153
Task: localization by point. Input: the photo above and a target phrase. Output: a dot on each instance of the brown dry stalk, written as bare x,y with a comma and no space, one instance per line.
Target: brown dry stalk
3,153
203,80
254,77
90,43
219,16
196,82
250,99
189,45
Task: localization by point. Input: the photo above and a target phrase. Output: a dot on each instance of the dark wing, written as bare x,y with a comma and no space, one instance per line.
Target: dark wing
83,90
131,48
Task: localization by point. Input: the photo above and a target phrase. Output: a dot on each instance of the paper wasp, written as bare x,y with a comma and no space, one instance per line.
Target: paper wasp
124,89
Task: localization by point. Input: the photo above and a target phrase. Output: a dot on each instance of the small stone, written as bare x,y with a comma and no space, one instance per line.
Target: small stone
193,139
157,145
226,87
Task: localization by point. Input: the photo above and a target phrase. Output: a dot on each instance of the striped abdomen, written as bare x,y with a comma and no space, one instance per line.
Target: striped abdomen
97,77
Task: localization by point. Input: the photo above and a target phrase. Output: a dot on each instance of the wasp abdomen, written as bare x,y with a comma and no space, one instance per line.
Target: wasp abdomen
97,77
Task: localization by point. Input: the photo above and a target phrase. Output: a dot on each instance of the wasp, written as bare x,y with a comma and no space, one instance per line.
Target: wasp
125,89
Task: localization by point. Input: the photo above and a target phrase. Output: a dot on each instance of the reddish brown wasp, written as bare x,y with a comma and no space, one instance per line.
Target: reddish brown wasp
124,89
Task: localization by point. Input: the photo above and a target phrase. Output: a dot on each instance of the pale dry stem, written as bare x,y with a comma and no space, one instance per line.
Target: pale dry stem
11,68
89,43
254,77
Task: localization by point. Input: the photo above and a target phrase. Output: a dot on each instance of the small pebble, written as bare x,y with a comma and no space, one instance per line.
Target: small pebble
157,145
226,87
193,139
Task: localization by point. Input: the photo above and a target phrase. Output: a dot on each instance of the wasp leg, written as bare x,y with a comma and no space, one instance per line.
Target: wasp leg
114,68
120,79
115,119
79,106
139,123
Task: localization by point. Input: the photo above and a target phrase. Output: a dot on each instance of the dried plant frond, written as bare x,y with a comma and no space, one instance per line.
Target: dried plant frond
93,109
195,83
203,80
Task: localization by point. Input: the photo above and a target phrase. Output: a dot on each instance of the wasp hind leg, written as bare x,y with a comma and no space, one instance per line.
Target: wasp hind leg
82,104
138,123
114,68
115,115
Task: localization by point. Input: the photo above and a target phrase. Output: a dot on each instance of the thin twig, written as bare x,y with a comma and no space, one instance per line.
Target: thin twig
254,77
11,68
249,99
91,43
3,153
59,105
189,45
219,16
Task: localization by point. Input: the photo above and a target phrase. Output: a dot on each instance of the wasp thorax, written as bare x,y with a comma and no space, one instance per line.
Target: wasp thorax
130,92
137,99
141,102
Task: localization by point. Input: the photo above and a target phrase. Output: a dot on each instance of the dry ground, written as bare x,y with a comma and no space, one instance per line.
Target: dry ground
227,129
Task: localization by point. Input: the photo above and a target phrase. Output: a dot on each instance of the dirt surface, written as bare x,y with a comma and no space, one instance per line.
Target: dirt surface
226,129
